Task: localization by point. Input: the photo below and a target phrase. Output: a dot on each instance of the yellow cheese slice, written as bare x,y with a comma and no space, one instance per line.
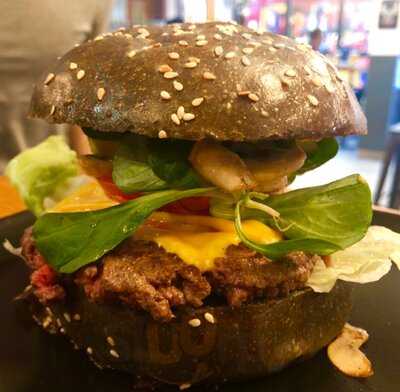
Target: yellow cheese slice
202,239
89,197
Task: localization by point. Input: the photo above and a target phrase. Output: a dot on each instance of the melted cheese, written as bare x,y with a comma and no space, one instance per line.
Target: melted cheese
89,197
204,239
197,240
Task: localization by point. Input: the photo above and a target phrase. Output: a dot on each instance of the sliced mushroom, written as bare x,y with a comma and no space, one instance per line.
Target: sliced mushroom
275,165
220,166
344,352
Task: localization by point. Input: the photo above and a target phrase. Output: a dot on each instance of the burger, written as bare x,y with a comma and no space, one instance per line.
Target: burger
183,256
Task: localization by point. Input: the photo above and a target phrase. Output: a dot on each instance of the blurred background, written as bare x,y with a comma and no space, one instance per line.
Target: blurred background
362,37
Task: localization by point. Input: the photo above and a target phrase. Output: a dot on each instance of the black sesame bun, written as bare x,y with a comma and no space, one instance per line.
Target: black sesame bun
209,344
231,82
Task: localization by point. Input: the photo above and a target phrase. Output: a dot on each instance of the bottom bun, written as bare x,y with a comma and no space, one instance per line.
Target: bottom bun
211,343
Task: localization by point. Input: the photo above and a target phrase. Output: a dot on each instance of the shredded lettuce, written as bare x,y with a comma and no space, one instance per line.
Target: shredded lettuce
38,172
366,261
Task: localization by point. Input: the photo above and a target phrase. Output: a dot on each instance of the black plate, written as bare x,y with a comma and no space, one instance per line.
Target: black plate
31,360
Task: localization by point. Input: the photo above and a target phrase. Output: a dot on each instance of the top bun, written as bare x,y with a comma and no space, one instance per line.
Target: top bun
192,81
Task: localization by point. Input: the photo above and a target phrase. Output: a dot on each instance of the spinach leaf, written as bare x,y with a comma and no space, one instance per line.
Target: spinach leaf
68,241
131,172
279,249
323,217
318,153
142,165
169,161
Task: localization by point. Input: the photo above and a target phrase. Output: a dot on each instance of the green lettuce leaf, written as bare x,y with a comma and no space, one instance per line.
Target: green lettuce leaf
38,172
365,261
319,220
69,241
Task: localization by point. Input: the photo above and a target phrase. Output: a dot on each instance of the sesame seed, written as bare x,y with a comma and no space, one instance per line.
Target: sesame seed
62,330
194,323
46,322
201,37
209,76
175,118
195,59
197,101
157,45
190,64
165,94
89,350
183,43
77,317
118,33
184,386
201,43
164,68
209,317
173,55
218,50
180,112
245,61
230,55
317,81
52,110
67,317
101,92
80,74
247,36
188,116
307,69
58,321
73,65
170,75
255,43
272,49
98,38
162,134
192,27
313,100
243,93
218,37
110,341
329,88
114,353
131,53
267,41
177,85
49,78
264,113
127,35
279,45
145,33
254,97
291,73
247,50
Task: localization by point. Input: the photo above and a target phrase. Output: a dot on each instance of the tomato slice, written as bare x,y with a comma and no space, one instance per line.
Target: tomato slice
198,205
113,192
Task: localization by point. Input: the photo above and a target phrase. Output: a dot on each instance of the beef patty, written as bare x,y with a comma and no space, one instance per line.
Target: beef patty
143,275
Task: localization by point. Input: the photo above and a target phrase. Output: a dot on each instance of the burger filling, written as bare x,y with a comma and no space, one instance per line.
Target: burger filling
167,223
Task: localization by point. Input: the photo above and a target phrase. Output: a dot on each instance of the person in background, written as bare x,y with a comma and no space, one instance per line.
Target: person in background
316,39
32,35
